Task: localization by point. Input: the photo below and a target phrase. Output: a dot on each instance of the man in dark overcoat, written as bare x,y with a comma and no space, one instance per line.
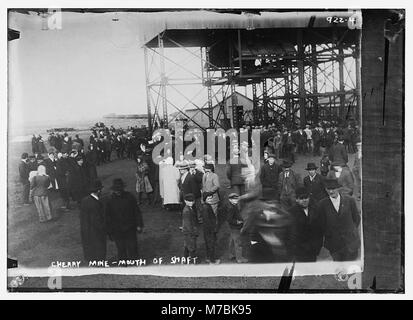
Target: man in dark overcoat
123,220
306,237
92,224
339,219
314,184
24,172
269,175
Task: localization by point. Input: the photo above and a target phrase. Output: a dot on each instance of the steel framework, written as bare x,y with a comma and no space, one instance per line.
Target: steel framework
309,81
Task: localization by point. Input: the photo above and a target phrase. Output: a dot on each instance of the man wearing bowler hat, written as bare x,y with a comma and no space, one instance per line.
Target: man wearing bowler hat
314,184
92,224
269,175
288,181
339,221
123,220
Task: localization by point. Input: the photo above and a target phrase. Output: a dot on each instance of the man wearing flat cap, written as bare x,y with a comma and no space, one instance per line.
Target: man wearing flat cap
123,220
229,210
269,175
92,224
339,221
314,184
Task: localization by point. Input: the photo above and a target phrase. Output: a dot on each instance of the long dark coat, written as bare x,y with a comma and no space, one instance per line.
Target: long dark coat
92,229
315,188
269,176
77,181
51,167
306,236
340,229
190,185
122,215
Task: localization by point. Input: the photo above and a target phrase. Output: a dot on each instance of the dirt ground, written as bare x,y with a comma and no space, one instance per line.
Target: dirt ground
36,245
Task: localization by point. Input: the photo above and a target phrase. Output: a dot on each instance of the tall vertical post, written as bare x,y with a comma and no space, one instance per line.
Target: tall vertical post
209,83
148,91
232,84
287,96
163,82
341,78
239,52
265,101
358,77
255,104
316,111
301,84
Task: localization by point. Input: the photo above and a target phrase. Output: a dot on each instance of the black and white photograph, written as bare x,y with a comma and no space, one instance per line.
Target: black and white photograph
205,149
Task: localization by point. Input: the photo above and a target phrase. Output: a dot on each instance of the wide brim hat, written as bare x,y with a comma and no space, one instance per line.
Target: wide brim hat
118,185
338,163
286,164
192,164
271,155
311,166
332,184
183,165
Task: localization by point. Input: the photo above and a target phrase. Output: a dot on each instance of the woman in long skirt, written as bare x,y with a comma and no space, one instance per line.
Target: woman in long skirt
143,185
39,186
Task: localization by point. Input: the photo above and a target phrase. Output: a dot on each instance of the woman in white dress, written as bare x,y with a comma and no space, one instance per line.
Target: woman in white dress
170,180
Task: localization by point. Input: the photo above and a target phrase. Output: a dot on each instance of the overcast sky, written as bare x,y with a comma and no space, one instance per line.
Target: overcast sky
90,67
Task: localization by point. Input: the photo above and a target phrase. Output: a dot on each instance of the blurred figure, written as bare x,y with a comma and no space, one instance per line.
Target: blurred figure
123,220
267,227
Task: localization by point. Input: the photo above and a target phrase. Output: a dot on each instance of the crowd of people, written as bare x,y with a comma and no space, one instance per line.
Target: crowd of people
272,213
